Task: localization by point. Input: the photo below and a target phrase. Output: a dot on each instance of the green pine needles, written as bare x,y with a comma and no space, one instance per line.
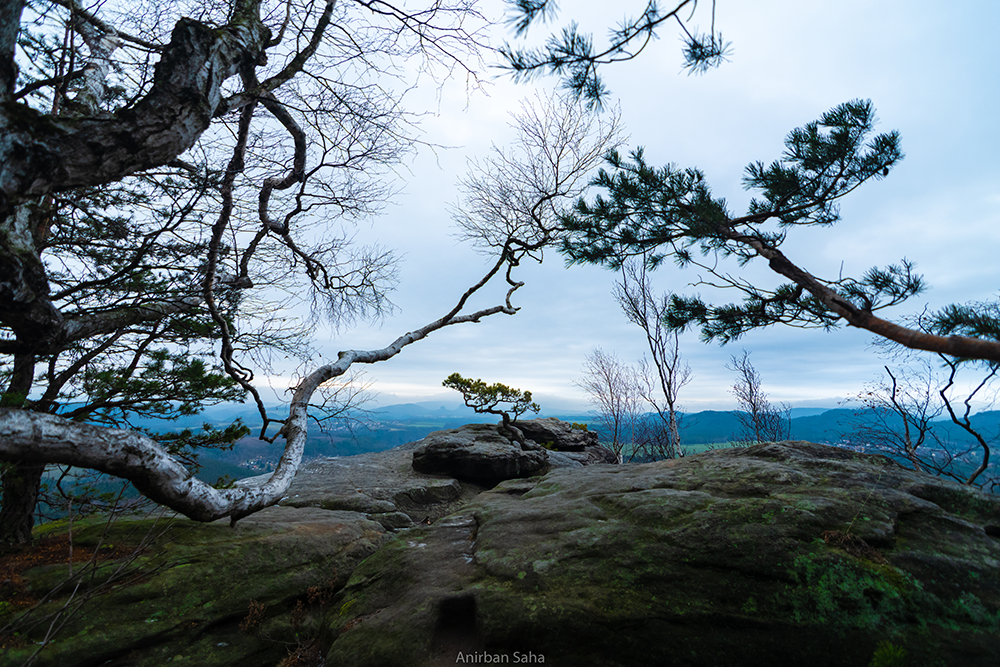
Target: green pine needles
663,212
888,654
668,212
488,398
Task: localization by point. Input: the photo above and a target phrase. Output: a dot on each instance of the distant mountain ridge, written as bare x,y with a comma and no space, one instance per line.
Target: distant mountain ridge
393,425
814,424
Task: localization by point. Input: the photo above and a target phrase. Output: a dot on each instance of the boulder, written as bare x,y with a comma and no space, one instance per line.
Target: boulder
784,553
478,452
558,435
568,447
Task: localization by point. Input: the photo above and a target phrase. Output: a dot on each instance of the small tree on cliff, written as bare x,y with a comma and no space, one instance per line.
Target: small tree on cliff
489,399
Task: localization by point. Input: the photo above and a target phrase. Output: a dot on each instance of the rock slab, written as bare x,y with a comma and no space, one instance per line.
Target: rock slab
382,485
786,553
478,452
187,597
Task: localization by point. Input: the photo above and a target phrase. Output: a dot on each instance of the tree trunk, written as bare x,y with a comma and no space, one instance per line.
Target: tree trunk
20,481
675,432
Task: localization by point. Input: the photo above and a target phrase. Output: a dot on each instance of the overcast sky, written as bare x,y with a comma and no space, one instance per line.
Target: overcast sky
930,71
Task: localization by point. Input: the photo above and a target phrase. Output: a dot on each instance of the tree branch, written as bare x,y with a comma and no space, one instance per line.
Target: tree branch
41,438
962,347
41,154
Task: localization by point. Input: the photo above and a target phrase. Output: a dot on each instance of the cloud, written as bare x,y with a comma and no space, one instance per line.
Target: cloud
928,73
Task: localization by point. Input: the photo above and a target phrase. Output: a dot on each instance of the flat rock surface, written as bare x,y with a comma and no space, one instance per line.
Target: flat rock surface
187,596
778,554
382,485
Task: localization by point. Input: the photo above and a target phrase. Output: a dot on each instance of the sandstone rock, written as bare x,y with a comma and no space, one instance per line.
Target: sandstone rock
379,485
568,447
183,600
778,554
787,553
557,434
477,452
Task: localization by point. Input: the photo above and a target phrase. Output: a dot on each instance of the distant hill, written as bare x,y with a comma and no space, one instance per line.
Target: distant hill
408,411
393,425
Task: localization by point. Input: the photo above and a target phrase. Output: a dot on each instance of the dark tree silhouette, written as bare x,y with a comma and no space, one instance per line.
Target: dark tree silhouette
573,56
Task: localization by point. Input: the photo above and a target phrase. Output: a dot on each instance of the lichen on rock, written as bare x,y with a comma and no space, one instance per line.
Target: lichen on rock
713,559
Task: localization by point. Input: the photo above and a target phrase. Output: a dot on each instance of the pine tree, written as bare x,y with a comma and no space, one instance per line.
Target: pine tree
669,212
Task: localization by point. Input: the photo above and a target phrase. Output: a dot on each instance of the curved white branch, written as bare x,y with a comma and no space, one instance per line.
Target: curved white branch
42,438
33,437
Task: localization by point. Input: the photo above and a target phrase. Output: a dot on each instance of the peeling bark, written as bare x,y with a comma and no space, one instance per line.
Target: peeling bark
41,154
10,25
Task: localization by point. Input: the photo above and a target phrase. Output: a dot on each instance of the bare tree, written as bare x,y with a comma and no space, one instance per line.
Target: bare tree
900,417
897,413
273,119
760,421
635,296
614,392
963,421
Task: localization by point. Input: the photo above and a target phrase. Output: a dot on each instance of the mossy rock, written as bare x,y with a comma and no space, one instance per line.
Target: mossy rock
186,596
783,553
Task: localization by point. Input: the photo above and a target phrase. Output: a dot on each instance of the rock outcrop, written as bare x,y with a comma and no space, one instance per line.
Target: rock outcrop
480,453
786,553
779,554
383,486
558,435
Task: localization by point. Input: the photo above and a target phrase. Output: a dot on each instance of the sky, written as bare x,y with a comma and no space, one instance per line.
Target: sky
931,74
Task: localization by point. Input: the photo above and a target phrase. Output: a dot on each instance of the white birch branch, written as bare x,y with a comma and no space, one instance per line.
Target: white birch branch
33,437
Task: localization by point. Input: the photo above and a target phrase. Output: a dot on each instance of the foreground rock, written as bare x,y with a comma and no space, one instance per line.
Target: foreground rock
478,452
779,554
184,597
788,554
